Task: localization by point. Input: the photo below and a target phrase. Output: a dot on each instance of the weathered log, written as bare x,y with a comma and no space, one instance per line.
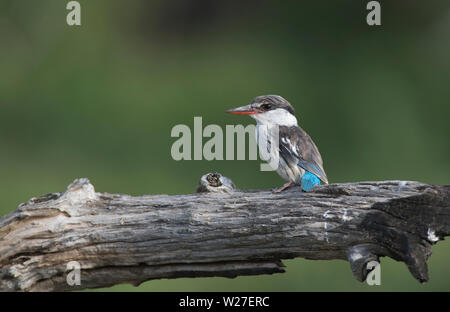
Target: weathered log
220,231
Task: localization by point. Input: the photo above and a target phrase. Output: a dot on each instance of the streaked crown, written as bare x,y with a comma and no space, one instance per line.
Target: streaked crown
272,102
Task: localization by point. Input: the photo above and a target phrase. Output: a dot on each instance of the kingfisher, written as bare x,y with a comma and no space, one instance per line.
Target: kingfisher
300,162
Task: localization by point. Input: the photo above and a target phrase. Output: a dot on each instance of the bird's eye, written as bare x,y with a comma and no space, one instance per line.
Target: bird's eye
266,106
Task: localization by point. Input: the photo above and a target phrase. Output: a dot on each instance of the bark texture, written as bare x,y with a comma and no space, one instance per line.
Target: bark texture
218,231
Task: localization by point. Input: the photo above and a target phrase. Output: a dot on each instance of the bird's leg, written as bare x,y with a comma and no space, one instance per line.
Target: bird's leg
282,188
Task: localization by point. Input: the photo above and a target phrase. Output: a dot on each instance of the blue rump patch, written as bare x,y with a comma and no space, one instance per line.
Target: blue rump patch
309,180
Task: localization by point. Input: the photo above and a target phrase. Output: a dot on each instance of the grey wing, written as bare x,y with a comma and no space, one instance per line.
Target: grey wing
297,145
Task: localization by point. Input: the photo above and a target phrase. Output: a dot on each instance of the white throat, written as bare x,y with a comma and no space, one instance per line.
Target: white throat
279,117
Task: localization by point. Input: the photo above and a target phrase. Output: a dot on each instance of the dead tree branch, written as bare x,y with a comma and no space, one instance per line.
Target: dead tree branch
219,231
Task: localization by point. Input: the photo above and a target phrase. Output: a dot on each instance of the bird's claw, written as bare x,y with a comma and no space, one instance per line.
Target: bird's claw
282,188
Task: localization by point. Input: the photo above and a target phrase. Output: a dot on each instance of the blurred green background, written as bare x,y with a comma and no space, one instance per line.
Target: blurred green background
100,100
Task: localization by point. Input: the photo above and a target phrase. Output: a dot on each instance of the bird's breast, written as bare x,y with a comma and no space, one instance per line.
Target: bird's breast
266,137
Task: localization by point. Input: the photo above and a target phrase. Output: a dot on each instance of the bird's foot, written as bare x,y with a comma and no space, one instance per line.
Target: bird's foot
282,188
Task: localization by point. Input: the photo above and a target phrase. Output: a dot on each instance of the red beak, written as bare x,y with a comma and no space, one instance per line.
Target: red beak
244,110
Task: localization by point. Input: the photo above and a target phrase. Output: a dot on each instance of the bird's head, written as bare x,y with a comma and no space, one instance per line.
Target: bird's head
268,109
